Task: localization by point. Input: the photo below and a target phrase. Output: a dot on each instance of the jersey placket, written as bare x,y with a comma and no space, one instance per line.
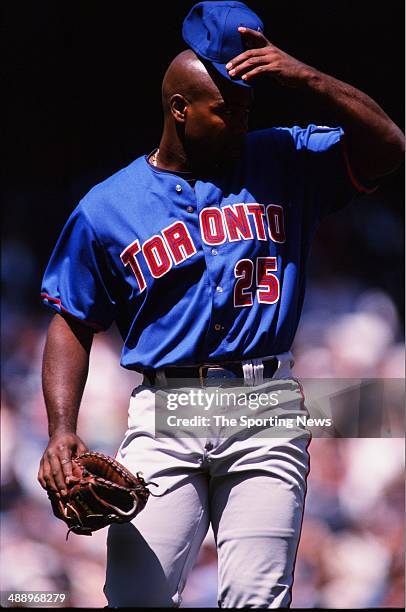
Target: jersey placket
209,196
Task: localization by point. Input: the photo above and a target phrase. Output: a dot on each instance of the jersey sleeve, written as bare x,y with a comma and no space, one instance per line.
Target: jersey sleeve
76,279
325,168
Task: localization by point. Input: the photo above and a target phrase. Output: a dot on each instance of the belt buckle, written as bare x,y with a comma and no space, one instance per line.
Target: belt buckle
207,367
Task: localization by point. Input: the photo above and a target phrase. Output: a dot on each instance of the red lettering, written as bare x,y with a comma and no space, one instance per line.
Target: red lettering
128,257
244,272
237,223
276,223
258,212
267,283
212,226
157,256
179,241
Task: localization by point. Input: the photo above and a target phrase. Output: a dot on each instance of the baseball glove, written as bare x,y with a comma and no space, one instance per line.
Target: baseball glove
101,491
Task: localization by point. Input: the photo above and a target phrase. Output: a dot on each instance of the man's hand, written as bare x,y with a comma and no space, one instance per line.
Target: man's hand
56,465
263,58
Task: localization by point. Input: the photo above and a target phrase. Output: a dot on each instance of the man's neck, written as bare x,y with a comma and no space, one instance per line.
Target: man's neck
171,153
171,159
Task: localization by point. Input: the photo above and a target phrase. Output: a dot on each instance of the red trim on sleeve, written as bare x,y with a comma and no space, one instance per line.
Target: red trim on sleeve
57,302
358,186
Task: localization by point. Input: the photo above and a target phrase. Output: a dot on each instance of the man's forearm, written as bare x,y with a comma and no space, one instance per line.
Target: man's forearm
64,373
375,143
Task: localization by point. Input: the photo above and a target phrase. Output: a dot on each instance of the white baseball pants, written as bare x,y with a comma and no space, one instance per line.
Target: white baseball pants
250,488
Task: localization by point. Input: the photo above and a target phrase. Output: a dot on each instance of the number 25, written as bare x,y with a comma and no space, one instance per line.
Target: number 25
266,282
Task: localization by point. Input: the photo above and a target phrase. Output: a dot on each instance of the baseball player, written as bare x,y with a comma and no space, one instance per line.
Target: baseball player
198,253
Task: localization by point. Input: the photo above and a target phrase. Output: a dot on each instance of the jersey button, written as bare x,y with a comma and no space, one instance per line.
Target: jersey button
217,327
178,188
190,209
219,289
214,251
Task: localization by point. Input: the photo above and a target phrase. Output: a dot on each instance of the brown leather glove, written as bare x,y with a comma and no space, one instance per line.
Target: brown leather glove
101,491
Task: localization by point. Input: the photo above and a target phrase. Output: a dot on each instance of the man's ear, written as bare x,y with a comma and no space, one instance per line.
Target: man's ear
178,105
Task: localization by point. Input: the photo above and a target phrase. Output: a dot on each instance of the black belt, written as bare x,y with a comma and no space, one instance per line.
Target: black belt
200,372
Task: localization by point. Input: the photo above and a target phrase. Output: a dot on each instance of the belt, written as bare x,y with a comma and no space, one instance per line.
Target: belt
215,370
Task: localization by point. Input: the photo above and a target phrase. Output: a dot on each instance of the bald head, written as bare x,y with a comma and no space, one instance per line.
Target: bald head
205,114
187,76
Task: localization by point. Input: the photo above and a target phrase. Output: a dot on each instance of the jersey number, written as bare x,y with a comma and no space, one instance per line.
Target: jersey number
267,284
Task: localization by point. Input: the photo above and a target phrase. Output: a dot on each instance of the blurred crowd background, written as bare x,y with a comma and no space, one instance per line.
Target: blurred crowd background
78,113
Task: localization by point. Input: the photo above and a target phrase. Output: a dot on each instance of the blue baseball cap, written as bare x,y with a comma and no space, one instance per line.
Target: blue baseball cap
210,30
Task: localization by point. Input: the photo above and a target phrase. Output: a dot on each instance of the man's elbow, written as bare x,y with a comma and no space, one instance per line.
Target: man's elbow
395,148
382,157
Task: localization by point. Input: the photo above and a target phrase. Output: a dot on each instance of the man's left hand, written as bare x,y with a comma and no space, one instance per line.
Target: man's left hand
262,57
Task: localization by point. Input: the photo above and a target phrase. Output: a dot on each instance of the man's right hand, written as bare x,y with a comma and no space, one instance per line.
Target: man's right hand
56,465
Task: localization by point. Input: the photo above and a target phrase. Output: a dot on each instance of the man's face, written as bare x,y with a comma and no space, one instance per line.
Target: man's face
217,122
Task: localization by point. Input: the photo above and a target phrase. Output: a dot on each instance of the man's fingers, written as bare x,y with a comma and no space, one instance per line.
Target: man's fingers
248,65
253,73
47,477
253,39
66,464
41,479
243,57
65,456
57,473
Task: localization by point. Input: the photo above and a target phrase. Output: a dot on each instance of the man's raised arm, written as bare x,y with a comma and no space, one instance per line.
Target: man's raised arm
375,143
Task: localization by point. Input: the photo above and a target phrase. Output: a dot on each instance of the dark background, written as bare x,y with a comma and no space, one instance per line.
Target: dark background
82,80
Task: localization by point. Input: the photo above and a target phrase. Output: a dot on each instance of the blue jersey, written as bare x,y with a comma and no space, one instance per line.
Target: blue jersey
202,271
